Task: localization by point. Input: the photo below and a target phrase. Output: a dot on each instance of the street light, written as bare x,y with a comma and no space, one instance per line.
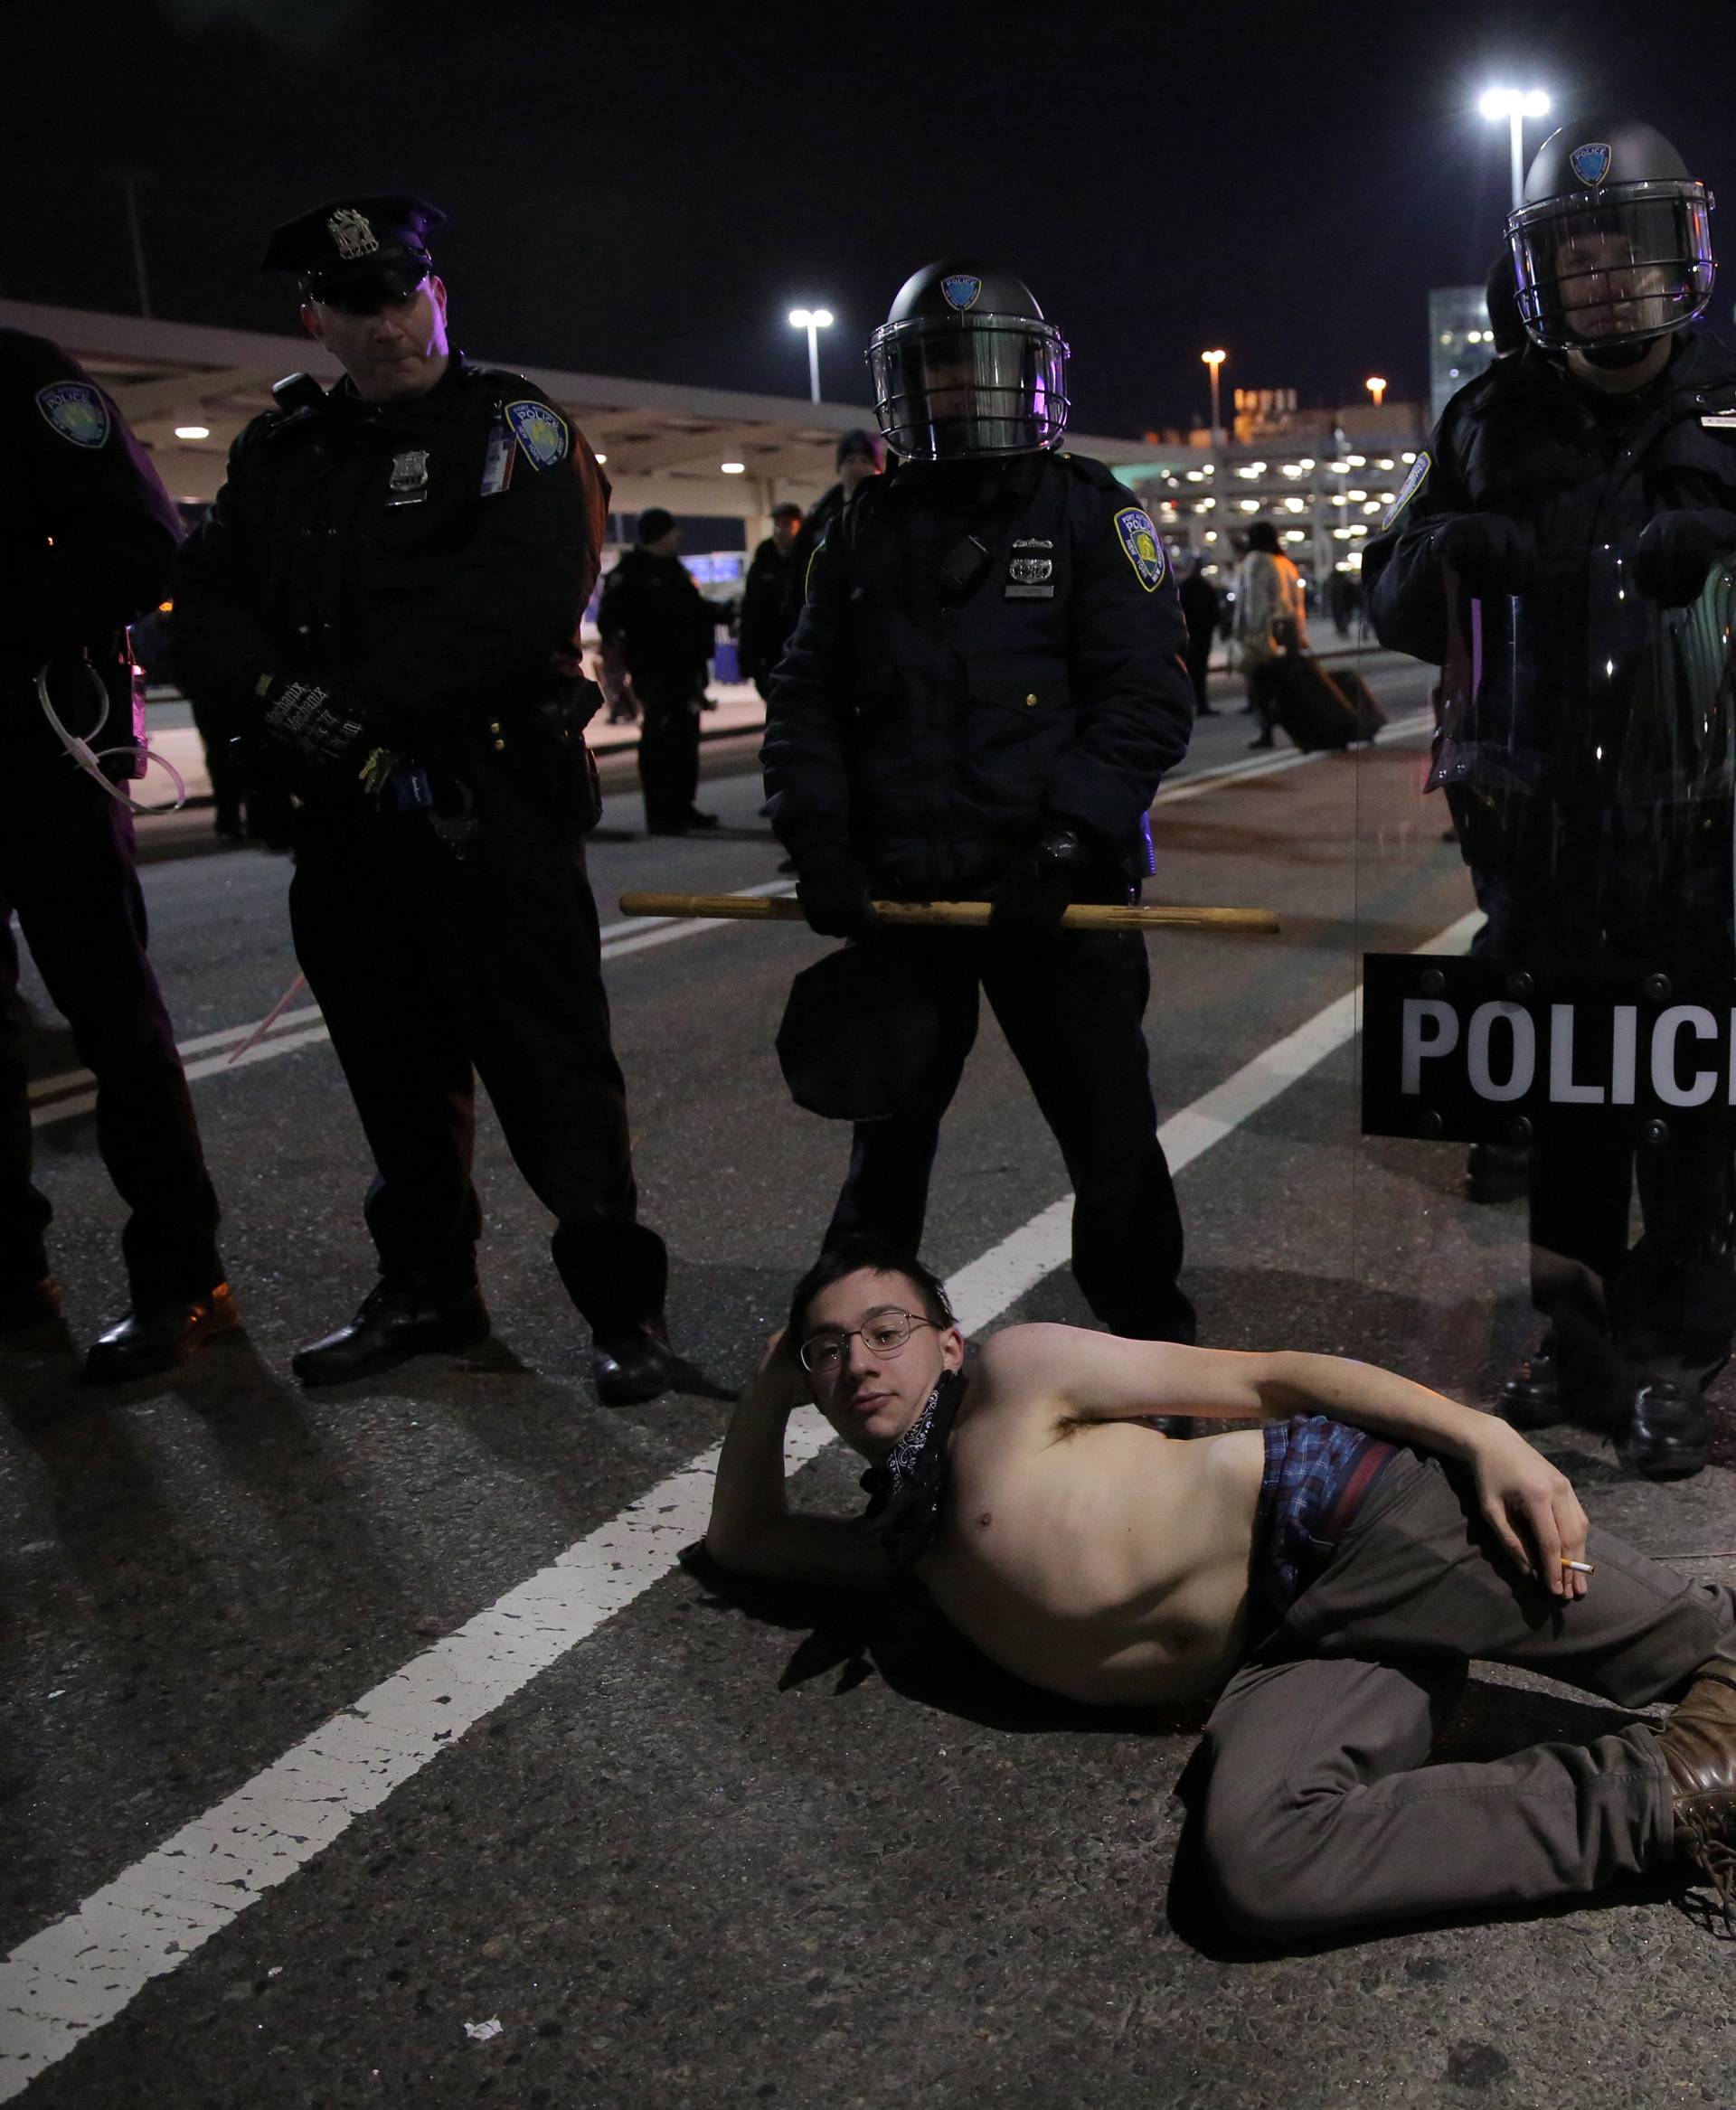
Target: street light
1376,388
1516,105
813,320
1215,360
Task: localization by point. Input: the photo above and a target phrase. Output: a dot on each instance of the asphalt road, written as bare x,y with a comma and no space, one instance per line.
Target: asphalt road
335,1728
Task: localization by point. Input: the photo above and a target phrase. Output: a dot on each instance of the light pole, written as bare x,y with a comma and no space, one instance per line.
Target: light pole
1215,360
813,320
1376,388
1516,105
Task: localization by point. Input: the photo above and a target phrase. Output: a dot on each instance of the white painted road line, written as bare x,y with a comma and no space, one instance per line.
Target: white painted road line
60,1985
68,1096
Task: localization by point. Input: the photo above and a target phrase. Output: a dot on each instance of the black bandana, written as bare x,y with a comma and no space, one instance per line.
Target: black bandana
908,1487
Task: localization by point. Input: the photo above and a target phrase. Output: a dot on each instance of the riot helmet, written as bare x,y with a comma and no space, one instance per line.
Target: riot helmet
1612,245
965,367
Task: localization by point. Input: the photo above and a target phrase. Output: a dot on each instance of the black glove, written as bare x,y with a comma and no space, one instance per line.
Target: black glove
832,887
1676,551
1492,554
1035,894
300,716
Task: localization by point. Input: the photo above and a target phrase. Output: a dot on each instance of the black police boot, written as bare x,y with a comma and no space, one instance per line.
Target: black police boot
632,1363
158,1335
1668,1431
1532,1396
25,1307
695,819
395,1321
1497,1171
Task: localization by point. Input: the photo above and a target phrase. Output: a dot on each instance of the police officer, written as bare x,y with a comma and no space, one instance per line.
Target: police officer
981,697
87,540
1610,431
655,616
386,599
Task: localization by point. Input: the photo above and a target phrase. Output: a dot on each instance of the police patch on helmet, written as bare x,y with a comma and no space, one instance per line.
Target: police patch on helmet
961,290
76,411
1144,552
540,431
1407,490
1591,162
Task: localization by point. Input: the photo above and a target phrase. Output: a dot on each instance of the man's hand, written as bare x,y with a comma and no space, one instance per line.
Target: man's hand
832,887
1675,550
302,717
780,1384
1530,1507
1492,555
1035,894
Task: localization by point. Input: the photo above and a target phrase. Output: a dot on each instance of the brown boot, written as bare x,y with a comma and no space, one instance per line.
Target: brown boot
1698,1746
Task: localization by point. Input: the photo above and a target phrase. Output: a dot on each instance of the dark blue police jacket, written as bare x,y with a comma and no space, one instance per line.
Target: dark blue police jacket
939,722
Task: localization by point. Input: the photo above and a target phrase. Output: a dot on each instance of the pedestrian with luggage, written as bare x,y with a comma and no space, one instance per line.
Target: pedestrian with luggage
1271,618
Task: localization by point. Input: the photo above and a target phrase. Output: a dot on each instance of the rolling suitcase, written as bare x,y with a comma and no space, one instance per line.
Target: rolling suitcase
1306,702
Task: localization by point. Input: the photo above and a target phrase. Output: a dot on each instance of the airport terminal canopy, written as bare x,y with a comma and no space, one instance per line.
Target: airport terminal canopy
665,443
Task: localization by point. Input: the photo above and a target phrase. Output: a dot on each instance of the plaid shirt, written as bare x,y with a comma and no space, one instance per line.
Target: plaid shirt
1317,1474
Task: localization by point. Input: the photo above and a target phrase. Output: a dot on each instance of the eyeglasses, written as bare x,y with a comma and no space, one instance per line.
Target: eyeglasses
883,1335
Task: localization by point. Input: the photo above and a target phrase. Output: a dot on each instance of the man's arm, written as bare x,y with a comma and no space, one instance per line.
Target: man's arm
1403,588
222,646
1099,1377
111,528
754,1529
1133,702
803,755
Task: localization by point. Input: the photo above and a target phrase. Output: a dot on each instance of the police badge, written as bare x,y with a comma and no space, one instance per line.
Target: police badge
1031,570
351,232
1591,162
76,411
962,290
1144,552
541,432
409,478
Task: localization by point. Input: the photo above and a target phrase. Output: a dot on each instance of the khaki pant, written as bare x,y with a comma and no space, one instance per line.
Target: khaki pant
1320,1812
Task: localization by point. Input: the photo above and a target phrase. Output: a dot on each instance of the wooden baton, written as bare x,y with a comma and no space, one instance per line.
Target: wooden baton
955,915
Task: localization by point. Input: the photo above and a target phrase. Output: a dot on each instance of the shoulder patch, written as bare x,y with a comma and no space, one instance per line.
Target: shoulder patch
1413,483
540,431
1144,551
76,411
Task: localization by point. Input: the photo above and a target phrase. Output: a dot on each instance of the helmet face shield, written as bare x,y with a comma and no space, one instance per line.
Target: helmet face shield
1630,262
955,388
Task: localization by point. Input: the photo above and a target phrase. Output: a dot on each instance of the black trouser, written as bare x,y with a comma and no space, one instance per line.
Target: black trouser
66,868
1069,1005
1671,1302
1199,665
668,745
433,970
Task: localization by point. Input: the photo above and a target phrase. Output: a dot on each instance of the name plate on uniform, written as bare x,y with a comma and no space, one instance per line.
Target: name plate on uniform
1485,1051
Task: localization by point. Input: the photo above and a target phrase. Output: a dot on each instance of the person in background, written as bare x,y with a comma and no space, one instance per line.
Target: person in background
1201,610
860,456
1271,617
655,616
771,598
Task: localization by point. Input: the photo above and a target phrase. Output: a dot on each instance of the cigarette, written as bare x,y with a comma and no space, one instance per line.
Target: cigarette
1578,1567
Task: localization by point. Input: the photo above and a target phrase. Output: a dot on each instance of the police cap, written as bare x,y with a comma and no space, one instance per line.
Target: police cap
357,253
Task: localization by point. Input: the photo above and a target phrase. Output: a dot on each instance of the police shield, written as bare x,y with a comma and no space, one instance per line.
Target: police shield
1565,1051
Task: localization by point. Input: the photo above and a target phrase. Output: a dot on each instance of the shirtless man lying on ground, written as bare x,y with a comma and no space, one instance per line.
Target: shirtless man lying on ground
1316,1576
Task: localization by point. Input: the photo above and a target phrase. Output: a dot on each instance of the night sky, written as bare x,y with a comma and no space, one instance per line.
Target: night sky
646,190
